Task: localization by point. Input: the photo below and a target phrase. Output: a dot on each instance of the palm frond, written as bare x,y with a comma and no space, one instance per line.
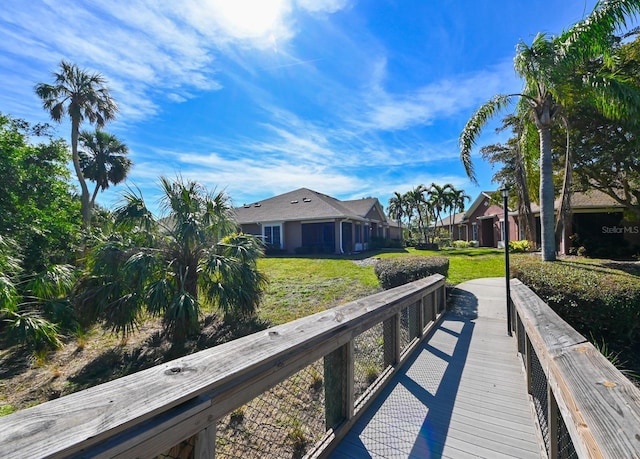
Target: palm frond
616,96
133,212
592,36
474,126
55,282
181,316
31,328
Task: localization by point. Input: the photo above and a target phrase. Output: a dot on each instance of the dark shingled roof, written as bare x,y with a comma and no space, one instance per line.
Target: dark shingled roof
303,204
592,199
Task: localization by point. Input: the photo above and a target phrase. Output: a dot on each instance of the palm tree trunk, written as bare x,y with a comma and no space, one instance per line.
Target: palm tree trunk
85,202
93,196
546,196
524,202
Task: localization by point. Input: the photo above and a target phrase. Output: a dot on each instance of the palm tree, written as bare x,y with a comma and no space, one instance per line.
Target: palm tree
165,265
408,210
458,198
103,160
82,96
396,209
440,199
546,67
34,306
416,198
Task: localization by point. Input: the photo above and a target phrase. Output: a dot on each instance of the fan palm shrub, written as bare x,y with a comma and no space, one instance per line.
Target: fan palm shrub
169,266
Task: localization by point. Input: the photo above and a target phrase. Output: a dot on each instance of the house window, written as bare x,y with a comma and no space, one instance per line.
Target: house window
366,233
358,230
474,231
502,230
272,236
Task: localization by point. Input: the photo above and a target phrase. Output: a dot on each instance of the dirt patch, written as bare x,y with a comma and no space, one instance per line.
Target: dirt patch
371,261
27,380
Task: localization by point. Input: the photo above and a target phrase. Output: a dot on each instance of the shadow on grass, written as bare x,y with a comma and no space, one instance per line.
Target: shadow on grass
604,267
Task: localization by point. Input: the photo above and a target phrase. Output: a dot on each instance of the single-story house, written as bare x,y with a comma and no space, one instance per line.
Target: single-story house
482,222
306,221
596,220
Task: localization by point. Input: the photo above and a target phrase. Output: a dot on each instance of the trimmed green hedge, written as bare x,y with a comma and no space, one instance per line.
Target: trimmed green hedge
595,300
392,272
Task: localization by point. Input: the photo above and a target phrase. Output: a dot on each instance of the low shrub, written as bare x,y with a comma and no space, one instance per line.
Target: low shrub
443,242
593,299
392,272
520,246
460,244
426,246
383,243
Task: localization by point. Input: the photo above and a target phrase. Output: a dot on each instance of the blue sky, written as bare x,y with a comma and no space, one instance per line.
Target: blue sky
348,98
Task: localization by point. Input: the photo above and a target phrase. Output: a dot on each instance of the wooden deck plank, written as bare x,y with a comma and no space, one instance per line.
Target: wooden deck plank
462,394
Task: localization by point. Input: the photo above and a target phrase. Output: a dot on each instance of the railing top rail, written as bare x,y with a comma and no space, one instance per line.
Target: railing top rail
216,380
601,407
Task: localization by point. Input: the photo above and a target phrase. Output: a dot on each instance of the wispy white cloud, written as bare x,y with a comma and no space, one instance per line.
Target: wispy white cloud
328,6
144,46
437,100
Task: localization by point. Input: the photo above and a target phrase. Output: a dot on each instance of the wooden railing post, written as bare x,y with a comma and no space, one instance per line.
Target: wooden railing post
205,447
392,345
338,385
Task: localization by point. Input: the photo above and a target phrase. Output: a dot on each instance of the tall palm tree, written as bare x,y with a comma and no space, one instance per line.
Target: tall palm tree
408,210
546,67
82,96
458,198
165,265
417,200
440,199
103,160
397,208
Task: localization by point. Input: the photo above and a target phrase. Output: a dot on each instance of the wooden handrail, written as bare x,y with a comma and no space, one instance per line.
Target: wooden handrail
148,412
599,406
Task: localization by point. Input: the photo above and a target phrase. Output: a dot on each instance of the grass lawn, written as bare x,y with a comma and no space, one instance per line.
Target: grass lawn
464,264
299,286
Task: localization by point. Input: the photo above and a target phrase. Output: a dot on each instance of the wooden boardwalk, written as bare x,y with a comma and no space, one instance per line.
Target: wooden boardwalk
461,395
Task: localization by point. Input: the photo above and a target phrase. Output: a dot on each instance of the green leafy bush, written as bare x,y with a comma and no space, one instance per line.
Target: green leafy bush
520,246
593,299
442,242
392,272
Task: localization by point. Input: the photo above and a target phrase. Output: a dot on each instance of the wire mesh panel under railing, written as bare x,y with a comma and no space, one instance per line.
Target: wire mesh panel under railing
522,337
368,359
441,300
405,336
428,310
285,421
566,449
540,398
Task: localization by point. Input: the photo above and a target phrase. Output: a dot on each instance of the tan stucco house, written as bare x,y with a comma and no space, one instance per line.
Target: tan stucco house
305,221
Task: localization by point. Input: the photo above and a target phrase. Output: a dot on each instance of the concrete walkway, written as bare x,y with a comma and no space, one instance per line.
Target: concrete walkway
461,395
